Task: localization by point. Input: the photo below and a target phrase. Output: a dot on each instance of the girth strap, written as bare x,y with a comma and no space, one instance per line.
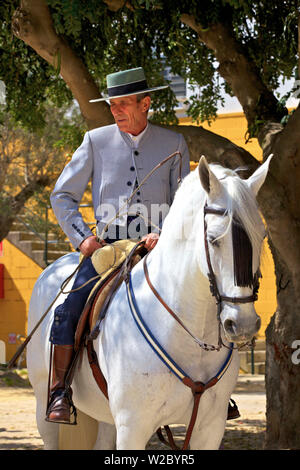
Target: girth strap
198,388
96,370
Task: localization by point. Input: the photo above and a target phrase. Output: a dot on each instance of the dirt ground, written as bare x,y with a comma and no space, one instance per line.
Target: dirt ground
18,429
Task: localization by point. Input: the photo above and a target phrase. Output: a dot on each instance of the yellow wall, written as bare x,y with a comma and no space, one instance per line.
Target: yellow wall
232,126
20,274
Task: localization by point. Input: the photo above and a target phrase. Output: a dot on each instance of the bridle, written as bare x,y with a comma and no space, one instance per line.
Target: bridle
213,288
212,278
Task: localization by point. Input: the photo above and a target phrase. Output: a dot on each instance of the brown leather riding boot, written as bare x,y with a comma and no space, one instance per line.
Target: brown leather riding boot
60,405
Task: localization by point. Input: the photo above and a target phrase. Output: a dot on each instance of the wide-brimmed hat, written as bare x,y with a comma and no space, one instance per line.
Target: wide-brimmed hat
128,82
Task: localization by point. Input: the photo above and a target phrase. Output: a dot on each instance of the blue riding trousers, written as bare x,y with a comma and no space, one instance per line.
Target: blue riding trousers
66,315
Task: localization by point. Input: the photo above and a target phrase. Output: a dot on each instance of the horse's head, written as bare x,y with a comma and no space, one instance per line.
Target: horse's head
233,237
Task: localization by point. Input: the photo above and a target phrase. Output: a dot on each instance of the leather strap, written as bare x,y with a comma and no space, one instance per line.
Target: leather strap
92,356
159,297
117,281
198,388
211,275
97,373
122,274
207,347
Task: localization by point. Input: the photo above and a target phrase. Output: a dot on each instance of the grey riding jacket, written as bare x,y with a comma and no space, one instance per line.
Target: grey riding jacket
115,166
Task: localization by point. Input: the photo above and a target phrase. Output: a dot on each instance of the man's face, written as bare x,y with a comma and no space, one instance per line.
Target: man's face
130,115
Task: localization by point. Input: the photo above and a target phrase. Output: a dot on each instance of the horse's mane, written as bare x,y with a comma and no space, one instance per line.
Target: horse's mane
240,202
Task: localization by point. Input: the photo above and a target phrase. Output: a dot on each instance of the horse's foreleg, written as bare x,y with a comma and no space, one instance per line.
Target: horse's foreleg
131,438
133,430
106,438
209,436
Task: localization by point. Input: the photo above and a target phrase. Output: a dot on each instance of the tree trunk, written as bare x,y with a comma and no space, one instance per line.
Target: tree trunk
279,200
282,365
239,71
32,23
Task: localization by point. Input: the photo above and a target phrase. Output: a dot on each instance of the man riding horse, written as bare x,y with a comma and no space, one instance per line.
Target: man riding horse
116,158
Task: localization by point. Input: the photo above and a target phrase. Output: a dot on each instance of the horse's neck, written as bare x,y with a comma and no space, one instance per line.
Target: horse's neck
177,278
174,270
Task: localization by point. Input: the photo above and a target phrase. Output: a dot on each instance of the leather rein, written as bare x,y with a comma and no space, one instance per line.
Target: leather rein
213,288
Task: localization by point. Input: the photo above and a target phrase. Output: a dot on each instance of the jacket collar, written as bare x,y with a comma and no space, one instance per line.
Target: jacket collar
141,137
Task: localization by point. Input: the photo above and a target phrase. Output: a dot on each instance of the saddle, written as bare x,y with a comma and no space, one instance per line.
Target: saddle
113,262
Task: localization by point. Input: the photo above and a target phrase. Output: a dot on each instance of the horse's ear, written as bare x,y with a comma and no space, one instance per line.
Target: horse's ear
256,180
209,181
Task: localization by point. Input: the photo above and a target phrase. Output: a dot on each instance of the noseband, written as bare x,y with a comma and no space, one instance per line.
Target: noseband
212,278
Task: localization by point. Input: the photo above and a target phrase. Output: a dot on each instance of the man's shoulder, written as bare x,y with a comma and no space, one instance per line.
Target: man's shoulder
103,132
167,133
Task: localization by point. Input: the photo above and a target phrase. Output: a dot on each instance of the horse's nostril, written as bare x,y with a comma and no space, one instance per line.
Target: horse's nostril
230,326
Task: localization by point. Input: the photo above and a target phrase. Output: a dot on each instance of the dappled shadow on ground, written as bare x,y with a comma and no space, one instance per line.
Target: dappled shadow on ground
14,378
246,434
250,387
18,428
15,440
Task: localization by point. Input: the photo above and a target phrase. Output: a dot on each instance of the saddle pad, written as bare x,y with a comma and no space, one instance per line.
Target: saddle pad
105,260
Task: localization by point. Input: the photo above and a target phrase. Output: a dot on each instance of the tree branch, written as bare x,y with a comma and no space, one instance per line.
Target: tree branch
258,103
238,71
33,24
13,205
285,146
27,191
216,148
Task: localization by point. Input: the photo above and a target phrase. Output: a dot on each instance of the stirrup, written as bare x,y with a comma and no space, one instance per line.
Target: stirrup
63,395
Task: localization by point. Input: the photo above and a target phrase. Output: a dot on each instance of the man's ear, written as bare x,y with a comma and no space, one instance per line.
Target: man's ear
146,103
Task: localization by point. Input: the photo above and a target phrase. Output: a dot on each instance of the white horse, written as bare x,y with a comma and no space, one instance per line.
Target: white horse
143,392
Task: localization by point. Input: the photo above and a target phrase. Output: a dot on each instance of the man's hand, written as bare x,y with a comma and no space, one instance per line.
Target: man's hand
91,244
150,240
